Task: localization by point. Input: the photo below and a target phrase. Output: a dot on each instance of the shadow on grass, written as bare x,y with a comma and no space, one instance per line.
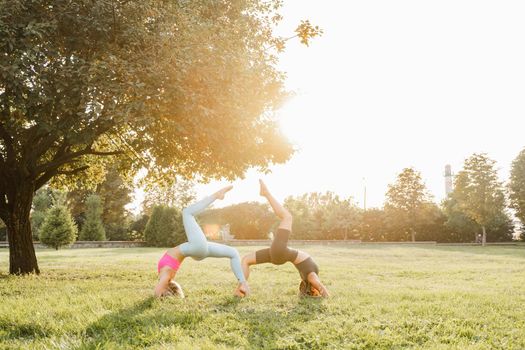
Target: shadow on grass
131,325
268,328
25,331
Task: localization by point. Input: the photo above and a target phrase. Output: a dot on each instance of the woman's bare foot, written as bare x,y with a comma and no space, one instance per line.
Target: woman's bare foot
263,189
220,194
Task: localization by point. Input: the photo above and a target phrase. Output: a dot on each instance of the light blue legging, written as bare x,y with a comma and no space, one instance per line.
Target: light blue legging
198,246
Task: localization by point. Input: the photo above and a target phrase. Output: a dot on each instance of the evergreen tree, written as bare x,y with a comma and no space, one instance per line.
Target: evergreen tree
479,193
42,202
164,227
93,229
58,228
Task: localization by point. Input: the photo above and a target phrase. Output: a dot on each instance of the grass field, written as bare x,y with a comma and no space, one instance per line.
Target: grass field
383,297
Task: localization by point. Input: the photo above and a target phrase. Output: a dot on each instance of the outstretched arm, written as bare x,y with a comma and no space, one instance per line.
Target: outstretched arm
314,280
162,285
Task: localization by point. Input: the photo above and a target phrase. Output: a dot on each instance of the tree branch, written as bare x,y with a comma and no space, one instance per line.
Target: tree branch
111,153
51,169
73,171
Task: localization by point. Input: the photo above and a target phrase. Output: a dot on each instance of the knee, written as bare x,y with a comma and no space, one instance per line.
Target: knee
235,254
199,251
186,212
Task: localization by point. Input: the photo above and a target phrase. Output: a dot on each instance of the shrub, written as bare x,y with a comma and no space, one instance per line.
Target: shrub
164,227
58,228
93,229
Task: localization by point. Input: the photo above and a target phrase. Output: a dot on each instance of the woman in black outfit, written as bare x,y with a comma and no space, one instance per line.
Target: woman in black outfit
279,253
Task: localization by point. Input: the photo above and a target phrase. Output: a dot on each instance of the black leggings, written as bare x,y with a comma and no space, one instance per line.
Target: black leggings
278,253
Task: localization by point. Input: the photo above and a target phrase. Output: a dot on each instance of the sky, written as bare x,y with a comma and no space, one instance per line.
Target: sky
395,84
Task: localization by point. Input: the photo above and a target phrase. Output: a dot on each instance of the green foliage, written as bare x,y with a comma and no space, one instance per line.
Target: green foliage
249,220
478,191
93,228
198,99
41,203
384,297
179,193
137,228
517,186
178,87
118,232
58,228
323,216
115,194
373,226
406,200
165,227
460,228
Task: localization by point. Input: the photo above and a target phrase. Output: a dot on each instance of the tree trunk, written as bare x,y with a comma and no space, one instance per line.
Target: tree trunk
484,238
22,257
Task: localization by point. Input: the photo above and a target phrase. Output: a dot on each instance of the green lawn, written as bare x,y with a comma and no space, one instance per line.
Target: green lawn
384,297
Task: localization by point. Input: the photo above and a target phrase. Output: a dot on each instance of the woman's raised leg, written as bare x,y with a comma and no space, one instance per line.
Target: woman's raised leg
279,210
197,245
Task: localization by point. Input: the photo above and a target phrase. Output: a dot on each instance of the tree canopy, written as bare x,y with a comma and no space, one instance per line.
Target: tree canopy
178,87
517,186
405,201
478,191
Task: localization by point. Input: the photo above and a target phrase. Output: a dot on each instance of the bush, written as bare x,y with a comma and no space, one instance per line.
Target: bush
58,228
164,227
93,229
138,227
117,232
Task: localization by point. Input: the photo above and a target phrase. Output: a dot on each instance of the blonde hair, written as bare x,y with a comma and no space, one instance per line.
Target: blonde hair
174,289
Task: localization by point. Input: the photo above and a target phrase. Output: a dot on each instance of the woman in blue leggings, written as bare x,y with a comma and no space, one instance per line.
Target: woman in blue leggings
198,248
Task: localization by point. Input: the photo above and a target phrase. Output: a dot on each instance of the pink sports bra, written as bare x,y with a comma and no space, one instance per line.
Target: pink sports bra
168,260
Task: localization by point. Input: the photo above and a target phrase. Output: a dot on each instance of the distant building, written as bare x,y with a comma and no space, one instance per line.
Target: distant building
448,179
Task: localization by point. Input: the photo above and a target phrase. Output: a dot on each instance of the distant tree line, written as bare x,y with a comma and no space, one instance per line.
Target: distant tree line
476,210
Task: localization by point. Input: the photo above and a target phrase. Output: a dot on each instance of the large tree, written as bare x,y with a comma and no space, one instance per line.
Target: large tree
406,200
517,186
176,86
478,191
178,195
